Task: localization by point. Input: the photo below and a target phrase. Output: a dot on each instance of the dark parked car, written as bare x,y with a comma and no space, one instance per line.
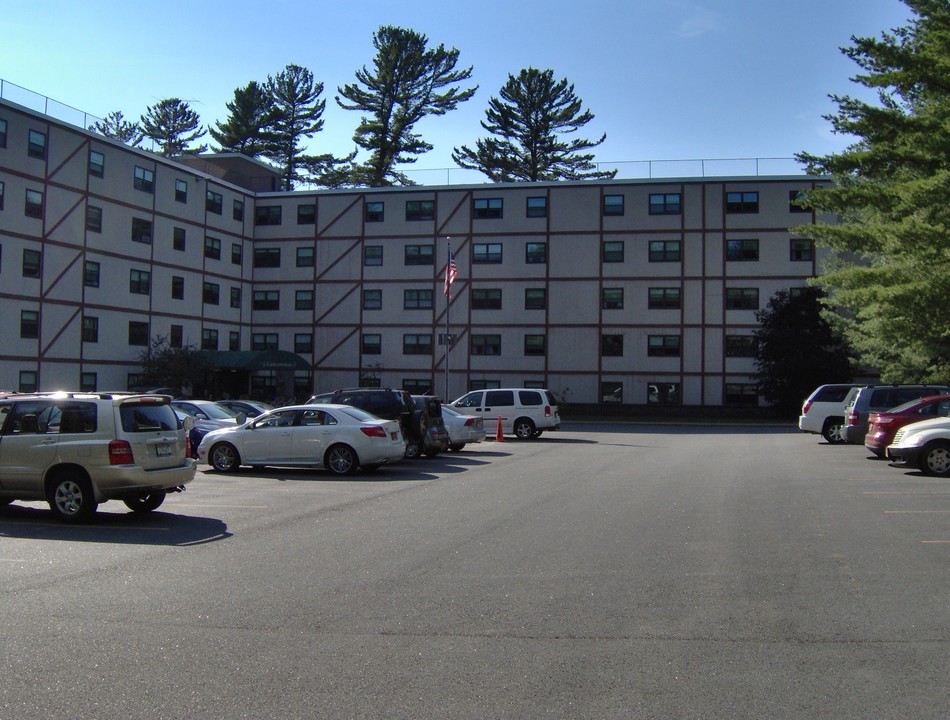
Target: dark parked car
862,401
250,408
883,425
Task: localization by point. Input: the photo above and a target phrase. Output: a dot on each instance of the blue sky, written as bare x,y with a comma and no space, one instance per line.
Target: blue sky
665,79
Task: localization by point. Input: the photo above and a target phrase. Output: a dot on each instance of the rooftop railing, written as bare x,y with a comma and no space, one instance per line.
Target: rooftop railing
626,169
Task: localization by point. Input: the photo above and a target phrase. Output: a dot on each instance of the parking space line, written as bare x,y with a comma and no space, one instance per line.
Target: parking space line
214,505
906,492
916,512
935,542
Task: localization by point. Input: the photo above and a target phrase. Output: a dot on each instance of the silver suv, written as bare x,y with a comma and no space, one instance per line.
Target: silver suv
76,450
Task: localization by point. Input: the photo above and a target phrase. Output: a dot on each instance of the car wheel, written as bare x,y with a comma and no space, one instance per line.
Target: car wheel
341,460
70,497
145,502
524,429
833,431
224,458
537,433
412,451
935,459
455,447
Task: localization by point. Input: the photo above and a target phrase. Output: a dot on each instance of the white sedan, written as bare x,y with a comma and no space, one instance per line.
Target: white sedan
338,438
462,428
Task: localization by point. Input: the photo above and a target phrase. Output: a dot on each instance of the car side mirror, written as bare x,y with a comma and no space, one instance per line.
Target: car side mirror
241,418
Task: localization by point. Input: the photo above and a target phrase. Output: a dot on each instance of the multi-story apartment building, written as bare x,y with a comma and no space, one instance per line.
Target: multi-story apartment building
640,292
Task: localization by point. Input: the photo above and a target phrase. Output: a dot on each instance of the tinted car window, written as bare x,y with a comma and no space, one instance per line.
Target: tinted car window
499,397
530,397
473,399
832,394
78,418
147,417
31,417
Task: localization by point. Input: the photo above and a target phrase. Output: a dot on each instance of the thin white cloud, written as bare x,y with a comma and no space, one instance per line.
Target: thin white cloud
692,20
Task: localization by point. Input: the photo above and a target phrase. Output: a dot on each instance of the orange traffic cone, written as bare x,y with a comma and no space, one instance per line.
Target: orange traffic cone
499,434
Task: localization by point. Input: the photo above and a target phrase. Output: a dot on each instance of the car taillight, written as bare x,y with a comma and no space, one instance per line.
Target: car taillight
805,407
120,453
187,446
470,422
547,411
373,431
852,418
884,420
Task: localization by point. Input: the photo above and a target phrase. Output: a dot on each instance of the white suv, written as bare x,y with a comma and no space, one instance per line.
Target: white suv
76,450
823,412
524,412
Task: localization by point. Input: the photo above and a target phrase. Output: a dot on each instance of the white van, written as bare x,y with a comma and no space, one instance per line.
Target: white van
524,412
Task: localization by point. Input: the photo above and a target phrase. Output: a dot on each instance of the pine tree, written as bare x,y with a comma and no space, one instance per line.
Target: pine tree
891,191
246,129
533,111
173,125
408,83
115,126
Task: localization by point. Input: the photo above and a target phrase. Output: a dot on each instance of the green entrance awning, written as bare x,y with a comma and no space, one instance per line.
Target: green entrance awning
256,360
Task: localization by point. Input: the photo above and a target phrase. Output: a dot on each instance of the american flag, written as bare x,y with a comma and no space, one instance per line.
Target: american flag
451,270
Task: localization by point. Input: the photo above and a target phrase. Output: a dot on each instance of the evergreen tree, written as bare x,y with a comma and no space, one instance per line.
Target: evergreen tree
115,126
892,192
166,366
797,349
408,83
246,129
527,120
173,125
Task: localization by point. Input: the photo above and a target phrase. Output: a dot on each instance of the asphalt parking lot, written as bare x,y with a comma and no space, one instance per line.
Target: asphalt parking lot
605,571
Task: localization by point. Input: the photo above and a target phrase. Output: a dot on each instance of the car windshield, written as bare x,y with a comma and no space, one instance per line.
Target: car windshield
904,406
215,411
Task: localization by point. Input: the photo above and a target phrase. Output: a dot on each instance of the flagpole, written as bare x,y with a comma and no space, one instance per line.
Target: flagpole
448,303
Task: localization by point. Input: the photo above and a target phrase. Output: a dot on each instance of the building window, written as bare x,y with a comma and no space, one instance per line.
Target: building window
535,299
666,204
209,339
306,214
29,324
536,207
234,340
237,210
265,300
373,212
236,254
372,255
212,248
663,393
32,263
663,345
303,300
141,230
801,250
138,333
181,191
372,299
487,208
88,381
611,345
178,239
613,251
611,392
266,257
264,341
303,343
176,336
417,300
305,257
612,299
372,344
3,133
27,381
417,344
795,197
214,202
420,209
268,215
34,204
613,205
419,255
140,282
742,299
236,297
210,293
36,147
178,287
741,394
90,273
741,346
143,179
93,218
2,193
742,202
97,164
664,299
742,250
486,344
536,253
90,329
487,253
486,299
665,251
535,345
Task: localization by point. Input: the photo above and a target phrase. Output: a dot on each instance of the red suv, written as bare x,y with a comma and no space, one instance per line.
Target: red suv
883,425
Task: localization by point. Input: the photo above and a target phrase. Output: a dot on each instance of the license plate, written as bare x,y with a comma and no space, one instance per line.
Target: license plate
163,450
